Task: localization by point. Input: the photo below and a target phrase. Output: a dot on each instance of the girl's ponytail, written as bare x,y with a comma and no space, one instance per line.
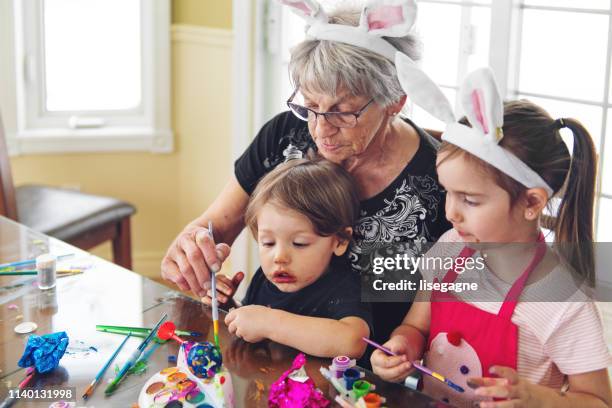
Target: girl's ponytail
533,136
574,226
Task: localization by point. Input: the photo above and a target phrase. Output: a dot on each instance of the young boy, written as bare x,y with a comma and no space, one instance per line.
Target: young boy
305,294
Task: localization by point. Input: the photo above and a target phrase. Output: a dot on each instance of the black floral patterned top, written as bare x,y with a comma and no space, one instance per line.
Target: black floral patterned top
409,210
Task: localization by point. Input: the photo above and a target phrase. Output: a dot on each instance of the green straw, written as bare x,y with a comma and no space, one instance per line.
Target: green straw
140,330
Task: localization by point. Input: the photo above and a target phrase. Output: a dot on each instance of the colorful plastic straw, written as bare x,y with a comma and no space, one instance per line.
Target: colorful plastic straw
100,374
213,282
418,366
132,360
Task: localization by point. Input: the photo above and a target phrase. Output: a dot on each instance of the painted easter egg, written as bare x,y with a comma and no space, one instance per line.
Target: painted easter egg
204,360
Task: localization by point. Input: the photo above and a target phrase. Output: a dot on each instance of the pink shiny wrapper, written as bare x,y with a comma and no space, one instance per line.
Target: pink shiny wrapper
294,389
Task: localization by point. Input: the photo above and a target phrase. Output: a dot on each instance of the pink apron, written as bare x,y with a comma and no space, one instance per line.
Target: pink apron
465,341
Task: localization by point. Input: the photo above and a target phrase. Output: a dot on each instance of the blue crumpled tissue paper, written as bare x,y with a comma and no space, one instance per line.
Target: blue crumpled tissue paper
44,352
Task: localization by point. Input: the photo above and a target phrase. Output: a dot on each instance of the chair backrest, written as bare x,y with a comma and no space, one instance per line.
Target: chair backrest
8,203
435,133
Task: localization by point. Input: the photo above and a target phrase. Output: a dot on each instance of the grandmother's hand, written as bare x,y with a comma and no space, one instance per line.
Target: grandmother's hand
191,258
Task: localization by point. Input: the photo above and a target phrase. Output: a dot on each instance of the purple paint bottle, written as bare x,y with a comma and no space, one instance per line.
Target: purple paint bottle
340,364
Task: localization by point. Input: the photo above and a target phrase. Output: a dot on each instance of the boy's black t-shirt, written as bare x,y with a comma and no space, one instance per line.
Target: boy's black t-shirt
410,210
335,295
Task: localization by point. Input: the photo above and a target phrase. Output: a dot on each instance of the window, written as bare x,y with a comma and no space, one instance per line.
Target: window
281,30
463,47
557,53
90,76
568,83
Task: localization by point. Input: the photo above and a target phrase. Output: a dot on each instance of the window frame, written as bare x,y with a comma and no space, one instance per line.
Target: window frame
510,78
504,59
32,129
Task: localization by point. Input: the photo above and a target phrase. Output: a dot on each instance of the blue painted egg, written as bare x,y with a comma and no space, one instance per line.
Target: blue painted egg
204,360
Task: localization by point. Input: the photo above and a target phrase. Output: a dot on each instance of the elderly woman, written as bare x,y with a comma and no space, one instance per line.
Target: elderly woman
345,108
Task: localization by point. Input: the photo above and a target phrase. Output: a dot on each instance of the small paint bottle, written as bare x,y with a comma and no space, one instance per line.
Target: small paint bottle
361,388
373,400
45,265
350,376
340,364
412,382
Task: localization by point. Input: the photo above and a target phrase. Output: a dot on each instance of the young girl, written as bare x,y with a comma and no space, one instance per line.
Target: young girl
498,179
305,294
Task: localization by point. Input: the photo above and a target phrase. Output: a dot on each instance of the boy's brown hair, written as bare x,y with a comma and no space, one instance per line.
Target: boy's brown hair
322,191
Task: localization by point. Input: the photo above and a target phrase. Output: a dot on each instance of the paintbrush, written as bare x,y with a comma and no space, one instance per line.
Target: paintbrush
141,364
437,376
100,374
28,262
378,346
418,366
35,272
132,360
213,288
145,356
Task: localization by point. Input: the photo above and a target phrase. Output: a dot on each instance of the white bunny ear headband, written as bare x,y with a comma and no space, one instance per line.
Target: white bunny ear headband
379,18
484,109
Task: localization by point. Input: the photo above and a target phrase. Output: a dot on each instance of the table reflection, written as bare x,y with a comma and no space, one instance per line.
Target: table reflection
107,294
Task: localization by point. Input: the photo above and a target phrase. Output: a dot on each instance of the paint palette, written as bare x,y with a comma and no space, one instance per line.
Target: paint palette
198,381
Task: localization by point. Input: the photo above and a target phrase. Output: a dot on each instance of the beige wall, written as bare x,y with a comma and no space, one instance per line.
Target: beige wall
148,181
168,189
208,13
202,115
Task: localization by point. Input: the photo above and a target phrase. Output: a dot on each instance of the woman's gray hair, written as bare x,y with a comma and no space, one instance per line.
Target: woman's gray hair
323,66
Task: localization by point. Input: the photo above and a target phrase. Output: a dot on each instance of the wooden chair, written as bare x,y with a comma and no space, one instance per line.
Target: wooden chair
83,220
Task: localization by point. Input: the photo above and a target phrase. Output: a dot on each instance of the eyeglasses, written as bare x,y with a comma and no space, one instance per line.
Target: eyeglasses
337,119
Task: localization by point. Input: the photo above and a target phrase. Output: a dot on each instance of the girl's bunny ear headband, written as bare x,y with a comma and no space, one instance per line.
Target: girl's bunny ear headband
379,18
484,109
